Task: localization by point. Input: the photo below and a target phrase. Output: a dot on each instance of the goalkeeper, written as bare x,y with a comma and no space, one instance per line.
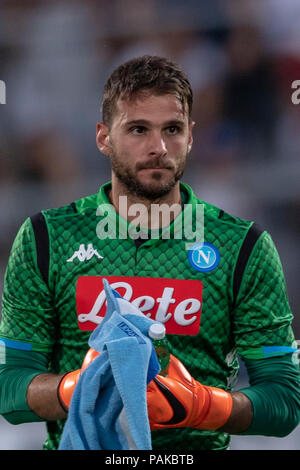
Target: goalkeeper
224,296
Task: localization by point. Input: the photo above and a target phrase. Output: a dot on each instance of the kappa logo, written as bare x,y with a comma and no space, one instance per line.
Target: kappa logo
204,257
85,254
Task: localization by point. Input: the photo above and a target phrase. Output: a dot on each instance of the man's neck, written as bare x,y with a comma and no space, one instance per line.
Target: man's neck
147,213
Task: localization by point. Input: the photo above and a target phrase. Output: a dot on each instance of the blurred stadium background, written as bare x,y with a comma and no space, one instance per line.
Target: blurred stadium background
241,56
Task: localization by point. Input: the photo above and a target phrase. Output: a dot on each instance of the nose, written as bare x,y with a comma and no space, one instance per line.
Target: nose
157,145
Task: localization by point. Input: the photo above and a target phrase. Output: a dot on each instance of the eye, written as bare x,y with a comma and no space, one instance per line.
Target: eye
173,130
137,130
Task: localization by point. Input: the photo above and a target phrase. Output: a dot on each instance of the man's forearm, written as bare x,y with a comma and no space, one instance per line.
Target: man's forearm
42,400
42,397
241,414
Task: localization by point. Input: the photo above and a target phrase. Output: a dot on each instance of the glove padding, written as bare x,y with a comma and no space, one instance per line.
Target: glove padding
179,401
68,382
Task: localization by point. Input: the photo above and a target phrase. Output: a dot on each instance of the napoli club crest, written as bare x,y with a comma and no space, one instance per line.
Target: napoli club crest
204,257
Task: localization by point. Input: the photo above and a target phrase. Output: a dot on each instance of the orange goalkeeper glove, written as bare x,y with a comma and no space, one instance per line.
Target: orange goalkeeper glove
178,401
68,383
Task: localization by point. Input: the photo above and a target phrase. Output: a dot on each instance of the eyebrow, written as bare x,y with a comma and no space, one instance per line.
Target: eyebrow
144,122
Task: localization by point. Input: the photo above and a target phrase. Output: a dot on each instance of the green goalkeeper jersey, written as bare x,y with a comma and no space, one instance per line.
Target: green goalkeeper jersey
220,294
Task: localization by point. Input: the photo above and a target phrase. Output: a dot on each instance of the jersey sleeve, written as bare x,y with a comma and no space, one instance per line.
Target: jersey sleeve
28,317
262,317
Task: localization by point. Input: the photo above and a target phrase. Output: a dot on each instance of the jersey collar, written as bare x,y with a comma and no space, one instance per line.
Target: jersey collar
184,224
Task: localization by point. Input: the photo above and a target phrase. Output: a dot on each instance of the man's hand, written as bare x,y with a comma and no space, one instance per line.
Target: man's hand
68,383
180,401
49,395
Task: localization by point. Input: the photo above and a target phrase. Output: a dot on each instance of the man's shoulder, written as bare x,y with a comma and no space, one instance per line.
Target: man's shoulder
227,218
215,214
77,207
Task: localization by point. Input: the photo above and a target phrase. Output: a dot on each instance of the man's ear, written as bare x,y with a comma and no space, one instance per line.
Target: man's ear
191,125
102,138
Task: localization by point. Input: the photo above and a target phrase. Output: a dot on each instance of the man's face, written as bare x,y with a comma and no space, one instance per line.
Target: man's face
148,143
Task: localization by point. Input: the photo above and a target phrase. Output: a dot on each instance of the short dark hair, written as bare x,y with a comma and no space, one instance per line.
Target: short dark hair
147,73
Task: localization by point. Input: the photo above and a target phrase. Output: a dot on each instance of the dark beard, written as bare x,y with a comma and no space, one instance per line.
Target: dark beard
140,190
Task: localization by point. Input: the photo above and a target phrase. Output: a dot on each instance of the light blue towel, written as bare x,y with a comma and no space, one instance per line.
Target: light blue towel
109,405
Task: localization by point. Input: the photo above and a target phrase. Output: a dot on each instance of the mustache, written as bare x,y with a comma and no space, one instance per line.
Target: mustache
154,164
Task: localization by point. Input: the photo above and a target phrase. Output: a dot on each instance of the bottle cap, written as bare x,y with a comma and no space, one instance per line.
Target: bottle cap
157,331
